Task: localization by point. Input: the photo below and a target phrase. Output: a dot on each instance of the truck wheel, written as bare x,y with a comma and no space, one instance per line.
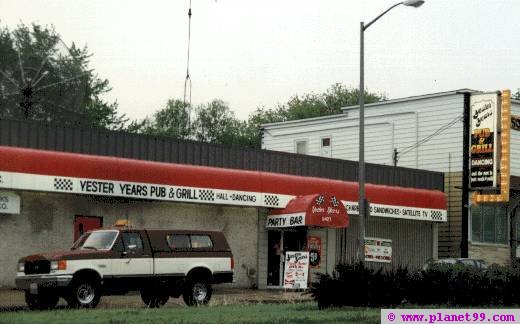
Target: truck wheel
154,298
41,301
197,292
83,294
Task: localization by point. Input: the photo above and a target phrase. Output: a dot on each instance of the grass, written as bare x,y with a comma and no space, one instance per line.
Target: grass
248,313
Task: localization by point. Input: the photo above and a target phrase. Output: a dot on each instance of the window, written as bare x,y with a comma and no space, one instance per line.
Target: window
489,224
326,147
132,239
325,142
177,241
301,147
184,241
97,240
201,241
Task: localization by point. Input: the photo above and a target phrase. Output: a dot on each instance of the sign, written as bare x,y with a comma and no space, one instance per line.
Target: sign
296,271
327,211
320,210
483,144
505,159
314,247
515,122
9,203
287,220
403,212
86,186
378,250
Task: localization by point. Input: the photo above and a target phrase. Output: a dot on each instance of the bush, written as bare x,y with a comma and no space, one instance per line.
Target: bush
357,285
441,284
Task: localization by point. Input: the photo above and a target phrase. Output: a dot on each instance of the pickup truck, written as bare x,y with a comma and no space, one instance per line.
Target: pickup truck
158,263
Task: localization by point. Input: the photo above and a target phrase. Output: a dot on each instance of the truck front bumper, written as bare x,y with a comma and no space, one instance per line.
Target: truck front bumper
36,282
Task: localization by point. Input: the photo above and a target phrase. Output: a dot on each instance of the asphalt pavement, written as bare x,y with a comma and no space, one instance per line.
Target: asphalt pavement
13,300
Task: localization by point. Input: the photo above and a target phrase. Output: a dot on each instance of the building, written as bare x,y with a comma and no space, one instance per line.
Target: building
56,182
422,132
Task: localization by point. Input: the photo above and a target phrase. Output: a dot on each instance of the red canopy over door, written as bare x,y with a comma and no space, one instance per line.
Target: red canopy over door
320,210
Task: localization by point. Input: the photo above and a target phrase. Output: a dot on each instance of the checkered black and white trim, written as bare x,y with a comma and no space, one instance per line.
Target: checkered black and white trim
206,195
63,184
437,216
320,200
334,201
271,200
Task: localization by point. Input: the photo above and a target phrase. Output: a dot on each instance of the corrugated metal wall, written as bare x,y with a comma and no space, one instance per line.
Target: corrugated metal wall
153,148
412,241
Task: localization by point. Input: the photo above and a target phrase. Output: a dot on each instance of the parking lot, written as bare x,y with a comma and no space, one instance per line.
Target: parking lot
13,300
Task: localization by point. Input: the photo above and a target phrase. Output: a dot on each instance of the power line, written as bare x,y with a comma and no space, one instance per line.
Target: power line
426,139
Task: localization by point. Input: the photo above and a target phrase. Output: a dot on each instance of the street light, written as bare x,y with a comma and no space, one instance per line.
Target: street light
361,173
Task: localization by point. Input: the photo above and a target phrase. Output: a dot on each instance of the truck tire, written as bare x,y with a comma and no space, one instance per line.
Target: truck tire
41,301
197,292
83,294
154,298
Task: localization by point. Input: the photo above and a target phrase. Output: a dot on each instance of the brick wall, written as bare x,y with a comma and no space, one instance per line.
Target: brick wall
450,232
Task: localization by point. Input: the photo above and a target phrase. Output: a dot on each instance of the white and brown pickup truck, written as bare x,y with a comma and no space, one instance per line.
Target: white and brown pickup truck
158,263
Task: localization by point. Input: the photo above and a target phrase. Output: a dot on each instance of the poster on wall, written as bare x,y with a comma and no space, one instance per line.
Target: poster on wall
9,203
378,250
296,271
314,247
483,144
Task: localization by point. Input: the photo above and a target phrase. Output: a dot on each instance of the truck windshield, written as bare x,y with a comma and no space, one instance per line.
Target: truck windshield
98,240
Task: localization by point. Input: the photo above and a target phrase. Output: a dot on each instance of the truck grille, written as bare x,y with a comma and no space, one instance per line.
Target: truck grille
36,267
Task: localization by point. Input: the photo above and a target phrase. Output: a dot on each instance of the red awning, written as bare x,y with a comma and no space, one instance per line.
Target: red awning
51,171
320,210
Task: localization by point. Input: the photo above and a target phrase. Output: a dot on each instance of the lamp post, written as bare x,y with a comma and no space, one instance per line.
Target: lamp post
361,173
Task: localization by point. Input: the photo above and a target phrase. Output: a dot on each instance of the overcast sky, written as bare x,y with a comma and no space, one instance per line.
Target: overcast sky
259,53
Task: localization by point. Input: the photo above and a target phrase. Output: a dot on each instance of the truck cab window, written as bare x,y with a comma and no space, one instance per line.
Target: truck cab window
132,239
98,240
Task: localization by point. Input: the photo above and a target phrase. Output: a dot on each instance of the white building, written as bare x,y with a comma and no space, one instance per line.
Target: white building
426,131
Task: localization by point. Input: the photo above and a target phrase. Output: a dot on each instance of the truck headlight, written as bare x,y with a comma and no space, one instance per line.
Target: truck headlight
59,265
21,267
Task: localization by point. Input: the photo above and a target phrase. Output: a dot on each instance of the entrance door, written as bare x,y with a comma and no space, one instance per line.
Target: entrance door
84,224
279,243
274,257
295,240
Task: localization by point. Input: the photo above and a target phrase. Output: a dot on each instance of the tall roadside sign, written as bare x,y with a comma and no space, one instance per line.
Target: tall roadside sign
490,125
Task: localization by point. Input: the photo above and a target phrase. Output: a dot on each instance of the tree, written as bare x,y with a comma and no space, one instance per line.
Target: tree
42,79
216,123
327,103
307,106
173,121
516,95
